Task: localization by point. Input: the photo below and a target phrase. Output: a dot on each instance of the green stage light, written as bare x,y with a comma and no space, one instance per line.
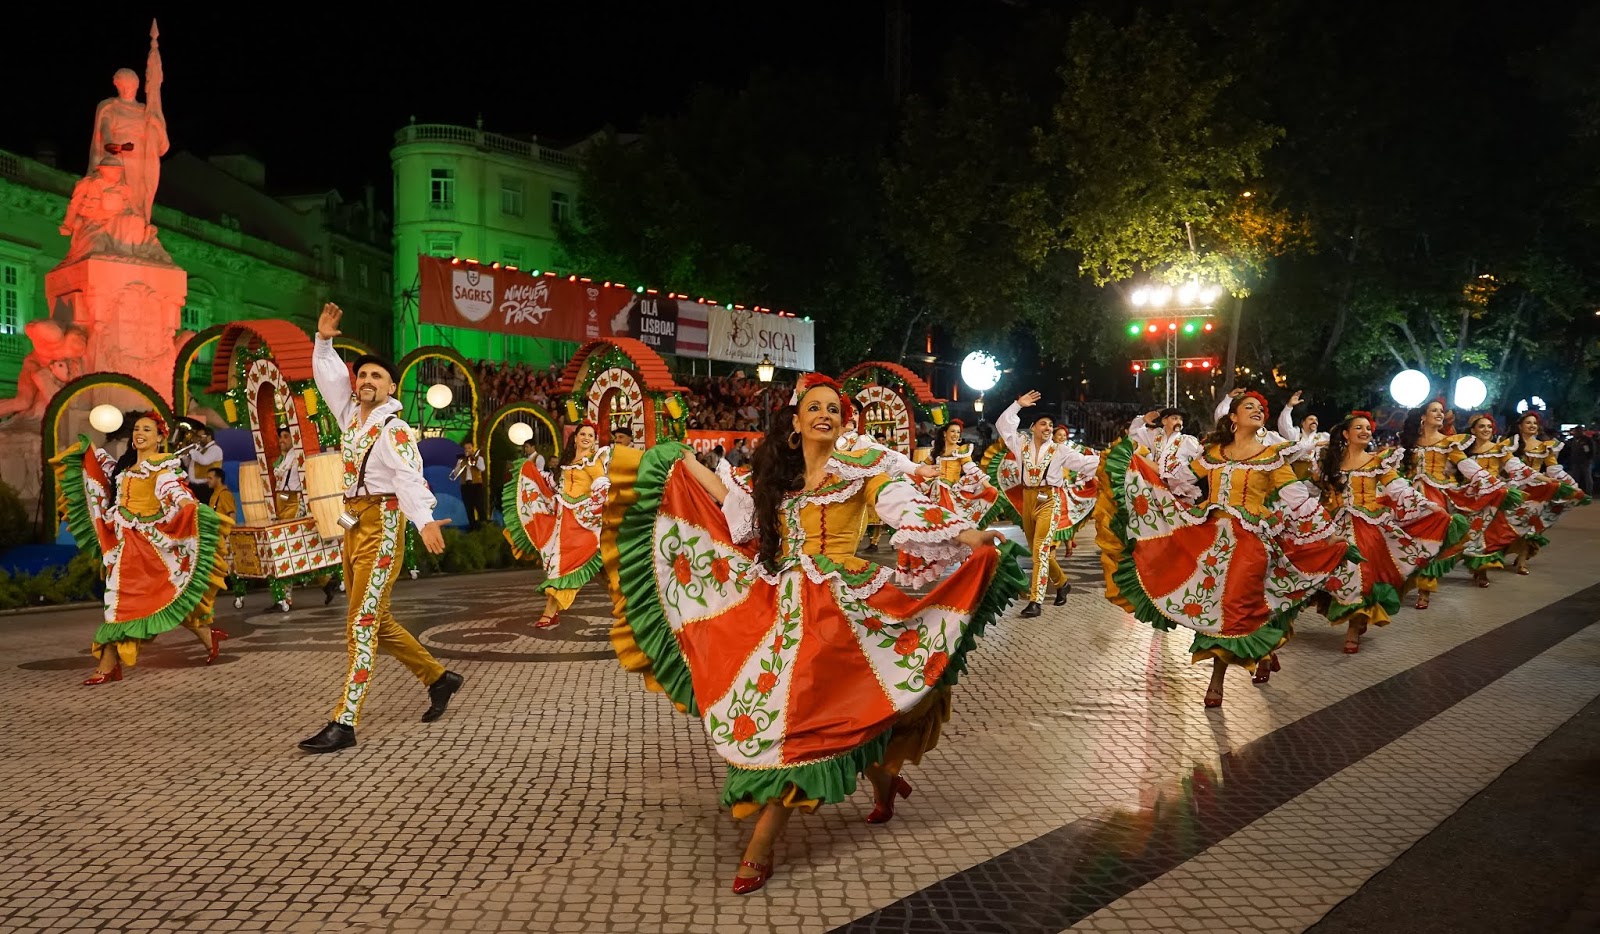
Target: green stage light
1135,329
1156,365
1188,327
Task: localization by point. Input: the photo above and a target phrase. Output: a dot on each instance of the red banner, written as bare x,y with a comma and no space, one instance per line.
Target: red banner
459,294
703,441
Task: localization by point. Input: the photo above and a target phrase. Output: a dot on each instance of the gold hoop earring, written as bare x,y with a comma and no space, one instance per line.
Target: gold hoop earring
794,440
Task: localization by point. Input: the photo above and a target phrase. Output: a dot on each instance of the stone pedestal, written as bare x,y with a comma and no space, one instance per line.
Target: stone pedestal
131,309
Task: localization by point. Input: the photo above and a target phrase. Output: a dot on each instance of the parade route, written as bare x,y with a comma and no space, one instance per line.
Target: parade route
1080,784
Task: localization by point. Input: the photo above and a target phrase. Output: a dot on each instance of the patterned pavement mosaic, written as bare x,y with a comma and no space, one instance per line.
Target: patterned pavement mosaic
1080,785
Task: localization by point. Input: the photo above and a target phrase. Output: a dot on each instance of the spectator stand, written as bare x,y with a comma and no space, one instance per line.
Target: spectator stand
892,400
262,372
620,384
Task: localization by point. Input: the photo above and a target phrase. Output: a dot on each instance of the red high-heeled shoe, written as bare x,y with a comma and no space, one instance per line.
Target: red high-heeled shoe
1212,702
217,636
744,885
883,811
1422,601
1265,668
547,622
101,677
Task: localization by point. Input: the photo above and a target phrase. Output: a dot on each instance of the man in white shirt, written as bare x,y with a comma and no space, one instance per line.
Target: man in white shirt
1041,500
287,478
202,459
383,486
469,470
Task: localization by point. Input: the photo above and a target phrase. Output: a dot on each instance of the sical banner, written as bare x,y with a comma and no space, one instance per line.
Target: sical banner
508,301
704,441
742,336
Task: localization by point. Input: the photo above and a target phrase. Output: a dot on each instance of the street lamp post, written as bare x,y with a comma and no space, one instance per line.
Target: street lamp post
764,371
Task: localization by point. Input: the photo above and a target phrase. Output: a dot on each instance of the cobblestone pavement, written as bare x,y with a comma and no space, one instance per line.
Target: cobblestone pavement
1080,783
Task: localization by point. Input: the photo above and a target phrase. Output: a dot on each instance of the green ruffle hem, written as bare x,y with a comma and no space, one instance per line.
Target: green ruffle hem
76,504
575,580
521,545
829,780
1243,650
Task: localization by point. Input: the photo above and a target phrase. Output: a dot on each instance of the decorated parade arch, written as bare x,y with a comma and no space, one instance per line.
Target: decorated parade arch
891,399
618,383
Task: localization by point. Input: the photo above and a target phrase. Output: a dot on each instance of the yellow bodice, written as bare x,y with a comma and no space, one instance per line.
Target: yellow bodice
1539,454
825,521
1363,486
1437,461
1493,460
578,479
1243,486
137,495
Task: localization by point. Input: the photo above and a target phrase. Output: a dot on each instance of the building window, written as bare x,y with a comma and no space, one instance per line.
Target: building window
364,275
510,197
560,207
441,245
194,315
442,187
388,282
511,257
10,299
338,265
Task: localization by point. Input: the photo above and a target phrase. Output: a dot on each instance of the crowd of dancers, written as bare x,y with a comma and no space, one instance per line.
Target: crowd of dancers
739,592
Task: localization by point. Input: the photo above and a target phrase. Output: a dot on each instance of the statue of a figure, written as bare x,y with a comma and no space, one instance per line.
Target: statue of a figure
136,132
103,218
56,360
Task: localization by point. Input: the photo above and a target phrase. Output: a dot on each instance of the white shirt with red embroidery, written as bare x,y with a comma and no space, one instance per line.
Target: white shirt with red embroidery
395,465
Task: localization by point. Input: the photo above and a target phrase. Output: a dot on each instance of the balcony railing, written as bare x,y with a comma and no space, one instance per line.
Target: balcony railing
480,139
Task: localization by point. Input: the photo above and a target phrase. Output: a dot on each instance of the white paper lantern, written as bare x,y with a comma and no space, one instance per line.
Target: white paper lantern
105,418
1409,388
519,432
980,370
1470,392
439,395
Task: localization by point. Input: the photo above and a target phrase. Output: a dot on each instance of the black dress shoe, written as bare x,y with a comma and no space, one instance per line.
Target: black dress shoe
439,694
334,737
1061,594
329,589
1032,609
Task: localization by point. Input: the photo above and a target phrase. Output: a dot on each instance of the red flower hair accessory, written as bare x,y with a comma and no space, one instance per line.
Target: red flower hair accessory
161,423
1474,420
1360,413
812,381
956,422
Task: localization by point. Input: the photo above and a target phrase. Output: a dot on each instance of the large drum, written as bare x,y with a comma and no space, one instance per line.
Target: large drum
325,491
253,495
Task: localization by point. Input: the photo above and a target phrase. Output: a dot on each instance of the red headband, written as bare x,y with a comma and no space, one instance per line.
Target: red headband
812,381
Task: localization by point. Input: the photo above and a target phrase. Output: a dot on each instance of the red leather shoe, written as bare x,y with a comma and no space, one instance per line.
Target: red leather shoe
1213,700
1422,601
548,622
1265,668
101,677
217,636
883,811
743,885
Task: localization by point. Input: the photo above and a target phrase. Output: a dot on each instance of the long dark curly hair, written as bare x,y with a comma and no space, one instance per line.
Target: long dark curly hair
569,451
1410,431
776,470
938,438
1333,454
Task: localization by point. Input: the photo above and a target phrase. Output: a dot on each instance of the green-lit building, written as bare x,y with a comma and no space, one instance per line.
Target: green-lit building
462,191
248,253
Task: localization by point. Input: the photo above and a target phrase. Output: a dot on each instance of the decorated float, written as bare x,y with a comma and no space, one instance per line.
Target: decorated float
619,384
262,372
892,401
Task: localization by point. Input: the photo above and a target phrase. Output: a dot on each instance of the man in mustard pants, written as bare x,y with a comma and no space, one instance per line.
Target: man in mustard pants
1042,500
383,487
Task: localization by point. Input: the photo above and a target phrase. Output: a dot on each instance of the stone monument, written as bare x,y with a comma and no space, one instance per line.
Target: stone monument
115,301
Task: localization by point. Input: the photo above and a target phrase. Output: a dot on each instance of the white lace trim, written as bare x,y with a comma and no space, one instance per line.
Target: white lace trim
740,511
881,576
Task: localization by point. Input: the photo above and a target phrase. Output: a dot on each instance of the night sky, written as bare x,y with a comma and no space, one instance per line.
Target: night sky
320,98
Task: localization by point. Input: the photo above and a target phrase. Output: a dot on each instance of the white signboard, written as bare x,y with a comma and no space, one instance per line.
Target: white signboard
747,336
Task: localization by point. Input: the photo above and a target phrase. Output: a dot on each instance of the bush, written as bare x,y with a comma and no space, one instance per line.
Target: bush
78,580
15,526
483,549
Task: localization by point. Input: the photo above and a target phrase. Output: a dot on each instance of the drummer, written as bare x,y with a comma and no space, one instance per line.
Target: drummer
288,478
